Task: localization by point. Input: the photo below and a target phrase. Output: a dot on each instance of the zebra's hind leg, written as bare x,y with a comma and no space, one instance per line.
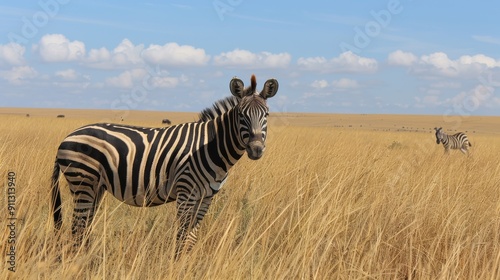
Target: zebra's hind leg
465,148
189,213
86,204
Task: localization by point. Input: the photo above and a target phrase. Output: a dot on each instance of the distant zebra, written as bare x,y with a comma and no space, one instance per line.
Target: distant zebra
187,163
455,141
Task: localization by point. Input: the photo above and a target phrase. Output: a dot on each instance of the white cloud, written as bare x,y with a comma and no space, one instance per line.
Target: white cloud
235,58
68,74
336,85
127,78
345,83
70,79
439,63
99,56
464,66
162,79
12,54
311,62
164,82
17,75
345,62
402,58
125,55
57,48
141,77
249,60
172,54
128,55
479,59
319,84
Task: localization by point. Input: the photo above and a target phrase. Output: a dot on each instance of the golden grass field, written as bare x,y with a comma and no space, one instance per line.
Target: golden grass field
334,197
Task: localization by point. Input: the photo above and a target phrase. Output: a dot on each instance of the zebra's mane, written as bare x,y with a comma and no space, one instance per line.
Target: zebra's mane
219,108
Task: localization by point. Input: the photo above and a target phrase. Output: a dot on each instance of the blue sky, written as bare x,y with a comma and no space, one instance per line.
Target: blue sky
391,56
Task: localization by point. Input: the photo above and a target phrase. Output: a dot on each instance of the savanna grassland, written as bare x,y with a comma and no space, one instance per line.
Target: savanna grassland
334,197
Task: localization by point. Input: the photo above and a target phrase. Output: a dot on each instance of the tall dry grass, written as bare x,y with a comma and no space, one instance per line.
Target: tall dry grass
323,203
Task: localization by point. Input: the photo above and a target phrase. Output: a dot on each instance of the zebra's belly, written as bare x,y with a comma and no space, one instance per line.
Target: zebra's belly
142,200
145,203
144,193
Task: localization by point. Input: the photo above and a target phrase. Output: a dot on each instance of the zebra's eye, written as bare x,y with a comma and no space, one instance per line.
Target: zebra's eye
266,115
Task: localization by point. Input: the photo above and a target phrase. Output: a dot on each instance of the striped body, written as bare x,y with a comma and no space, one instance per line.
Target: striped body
187,163
139,166
455,141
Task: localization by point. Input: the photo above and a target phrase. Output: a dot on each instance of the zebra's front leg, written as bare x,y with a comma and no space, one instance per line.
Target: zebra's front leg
189,213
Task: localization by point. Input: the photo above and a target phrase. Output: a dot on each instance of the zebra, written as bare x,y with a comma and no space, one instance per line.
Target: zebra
456,141
187,163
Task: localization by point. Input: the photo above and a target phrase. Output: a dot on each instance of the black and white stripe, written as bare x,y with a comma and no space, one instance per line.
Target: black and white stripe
455,141
187,163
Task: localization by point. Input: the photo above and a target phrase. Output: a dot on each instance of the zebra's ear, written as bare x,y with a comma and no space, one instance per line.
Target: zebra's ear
237,87
270,88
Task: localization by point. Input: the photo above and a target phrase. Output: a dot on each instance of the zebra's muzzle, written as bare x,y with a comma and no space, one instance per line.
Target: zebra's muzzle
255,149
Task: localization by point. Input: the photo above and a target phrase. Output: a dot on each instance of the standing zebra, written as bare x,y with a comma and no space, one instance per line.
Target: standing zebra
455,141
187,163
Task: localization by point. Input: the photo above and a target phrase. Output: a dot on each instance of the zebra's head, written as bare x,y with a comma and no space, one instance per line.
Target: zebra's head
252,113
439,135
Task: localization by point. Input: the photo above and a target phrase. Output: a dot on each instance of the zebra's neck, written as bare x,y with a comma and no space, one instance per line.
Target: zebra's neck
445,138
225,140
